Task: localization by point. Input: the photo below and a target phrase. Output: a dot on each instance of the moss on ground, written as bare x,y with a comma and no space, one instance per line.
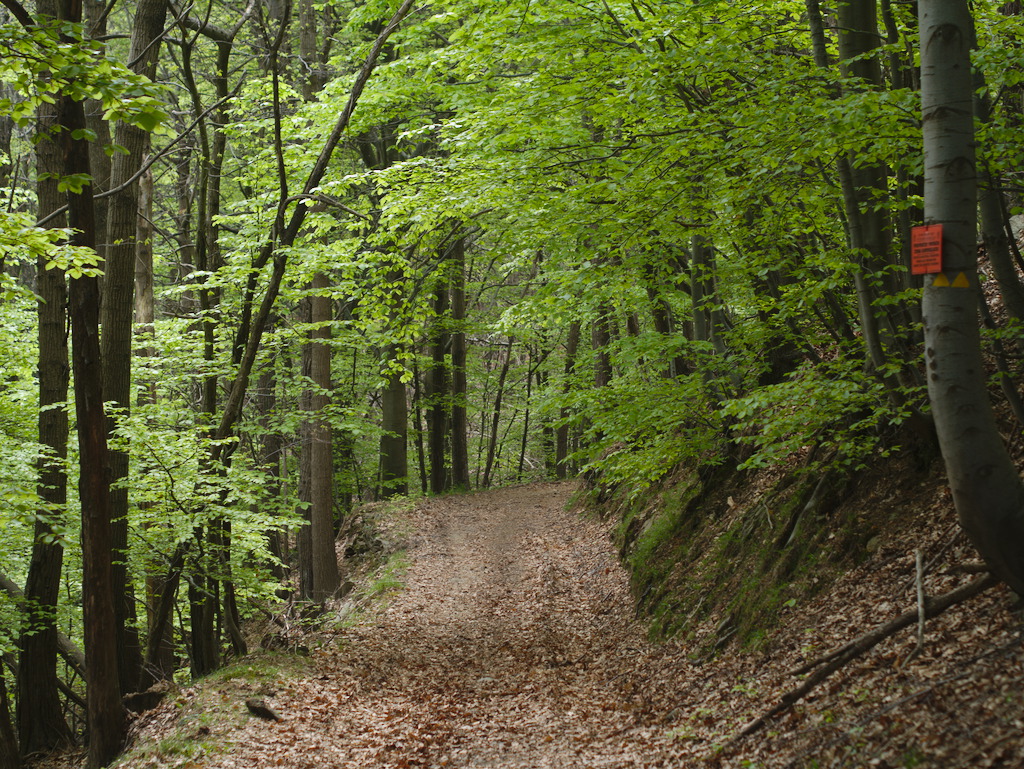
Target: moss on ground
210,708
734,550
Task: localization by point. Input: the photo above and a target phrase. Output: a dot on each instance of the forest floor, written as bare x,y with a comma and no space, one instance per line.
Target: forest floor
513,643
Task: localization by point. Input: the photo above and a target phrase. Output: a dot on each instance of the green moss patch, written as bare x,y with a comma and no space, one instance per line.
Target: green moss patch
733,551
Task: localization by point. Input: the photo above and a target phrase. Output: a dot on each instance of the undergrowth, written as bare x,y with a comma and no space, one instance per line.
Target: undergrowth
193,723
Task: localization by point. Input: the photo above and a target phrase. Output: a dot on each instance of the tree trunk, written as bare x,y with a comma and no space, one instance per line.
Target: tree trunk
205,650
271,448
9,757
990,207
419,384
987,489
492,444
96,15
524,443
325,560
304,539
145,317
6,134
41,723
865,186
118,311
562,433
438,400
394,442
699,291
105,715
600,340
460,429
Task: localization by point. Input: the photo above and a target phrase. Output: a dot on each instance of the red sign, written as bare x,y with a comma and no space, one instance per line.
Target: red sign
926,249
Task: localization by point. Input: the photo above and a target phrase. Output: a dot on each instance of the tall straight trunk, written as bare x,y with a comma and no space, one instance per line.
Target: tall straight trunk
865,186
855,19
903,75
699,291
6,135
325,560
600,341
145,302
394,442
96,16
304,538
41,723
271,449
205,649
572,342
310,56
858,38
986,486
9,756
230,617
118,311
524,443
105,716
460,429
709,322
664,323
492,444
145,317
438,400
418,384
547,430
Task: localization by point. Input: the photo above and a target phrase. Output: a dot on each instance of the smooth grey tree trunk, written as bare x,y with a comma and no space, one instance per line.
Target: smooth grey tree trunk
986,486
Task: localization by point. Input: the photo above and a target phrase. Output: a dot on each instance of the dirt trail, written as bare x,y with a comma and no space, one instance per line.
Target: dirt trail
512,645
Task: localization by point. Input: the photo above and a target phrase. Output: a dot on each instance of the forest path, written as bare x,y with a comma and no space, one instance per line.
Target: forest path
512,645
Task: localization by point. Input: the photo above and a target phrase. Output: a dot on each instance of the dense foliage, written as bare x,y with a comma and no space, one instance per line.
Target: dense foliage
556,236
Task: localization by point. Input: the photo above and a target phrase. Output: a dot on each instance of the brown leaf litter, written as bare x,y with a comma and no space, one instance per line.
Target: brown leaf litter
514,644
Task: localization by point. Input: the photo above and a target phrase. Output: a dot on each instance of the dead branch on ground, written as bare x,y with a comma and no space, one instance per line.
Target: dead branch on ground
838,658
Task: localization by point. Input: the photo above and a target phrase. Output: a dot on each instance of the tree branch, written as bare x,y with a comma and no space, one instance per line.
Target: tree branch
145,166
838,658
18,12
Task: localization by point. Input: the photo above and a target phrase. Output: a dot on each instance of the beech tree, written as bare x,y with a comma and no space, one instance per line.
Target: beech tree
986,485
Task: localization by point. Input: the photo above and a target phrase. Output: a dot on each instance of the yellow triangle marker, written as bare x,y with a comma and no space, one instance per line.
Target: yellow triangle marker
941,280
961,281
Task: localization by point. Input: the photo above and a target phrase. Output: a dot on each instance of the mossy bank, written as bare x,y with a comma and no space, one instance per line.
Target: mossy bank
718,555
